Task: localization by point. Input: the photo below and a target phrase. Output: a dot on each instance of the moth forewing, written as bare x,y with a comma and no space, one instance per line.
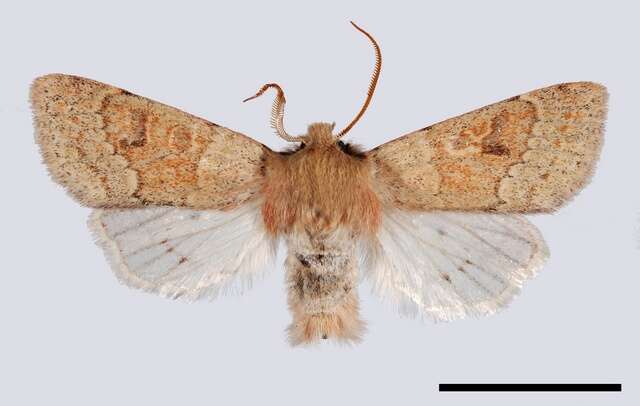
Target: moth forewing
527,154
111,149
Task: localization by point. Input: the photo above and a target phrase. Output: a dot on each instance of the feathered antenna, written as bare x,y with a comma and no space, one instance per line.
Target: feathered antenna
372,84
277,112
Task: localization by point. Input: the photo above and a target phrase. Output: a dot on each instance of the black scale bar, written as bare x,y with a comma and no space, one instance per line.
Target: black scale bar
530,387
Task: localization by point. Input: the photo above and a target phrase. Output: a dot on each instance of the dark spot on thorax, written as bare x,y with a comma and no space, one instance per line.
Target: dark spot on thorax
351,150
292,150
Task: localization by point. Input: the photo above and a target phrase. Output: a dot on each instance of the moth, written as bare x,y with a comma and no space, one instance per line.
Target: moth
186,208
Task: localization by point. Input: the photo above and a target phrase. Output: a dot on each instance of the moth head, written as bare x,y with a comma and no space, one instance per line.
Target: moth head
321,137
320,133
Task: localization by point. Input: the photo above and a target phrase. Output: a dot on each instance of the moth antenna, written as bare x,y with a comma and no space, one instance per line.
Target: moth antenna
277,111
372,84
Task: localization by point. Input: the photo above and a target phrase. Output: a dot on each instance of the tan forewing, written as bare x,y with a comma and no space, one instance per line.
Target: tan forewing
530,153
111,148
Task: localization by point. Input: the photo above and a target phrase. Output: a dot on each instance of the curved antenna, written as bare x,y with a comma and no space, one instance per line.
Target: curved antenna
277,111
372,84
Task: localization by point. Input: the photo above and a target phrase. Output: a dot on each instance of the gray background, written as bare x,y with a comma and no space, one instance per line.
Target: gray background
70,334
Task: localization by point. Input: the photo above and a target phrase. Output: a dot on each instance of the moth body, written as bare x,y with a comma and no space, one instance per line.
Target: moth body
321,199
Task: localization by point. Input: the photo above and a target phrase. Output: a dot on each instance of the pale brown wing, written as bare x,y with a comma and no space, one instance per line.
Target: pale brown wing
111,148
530,153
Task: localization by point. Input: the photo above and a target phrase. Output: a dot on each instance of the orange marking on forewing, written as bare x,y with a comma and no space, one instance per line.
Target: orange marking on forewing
164,153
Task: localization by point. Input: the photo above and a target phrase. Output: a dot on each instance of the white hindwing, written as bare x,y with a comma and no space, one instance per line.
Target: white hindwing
447,265
185,253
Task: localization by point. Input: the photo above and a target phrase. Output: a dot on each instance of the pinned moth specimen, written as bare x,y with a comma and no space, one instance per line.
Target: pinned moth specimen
186,208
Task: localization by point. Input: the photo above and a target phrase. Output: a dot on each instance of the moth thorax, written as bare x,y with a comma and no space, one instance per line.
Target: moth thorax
322,288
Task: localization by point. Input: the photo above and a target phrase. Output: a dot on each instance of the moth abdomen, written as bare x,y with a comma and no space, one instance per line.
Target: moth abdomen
321,281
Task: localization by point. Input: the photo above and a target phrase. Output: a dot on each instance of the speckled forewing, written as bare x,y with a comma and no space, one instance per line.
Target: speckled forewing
529,153
111,148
